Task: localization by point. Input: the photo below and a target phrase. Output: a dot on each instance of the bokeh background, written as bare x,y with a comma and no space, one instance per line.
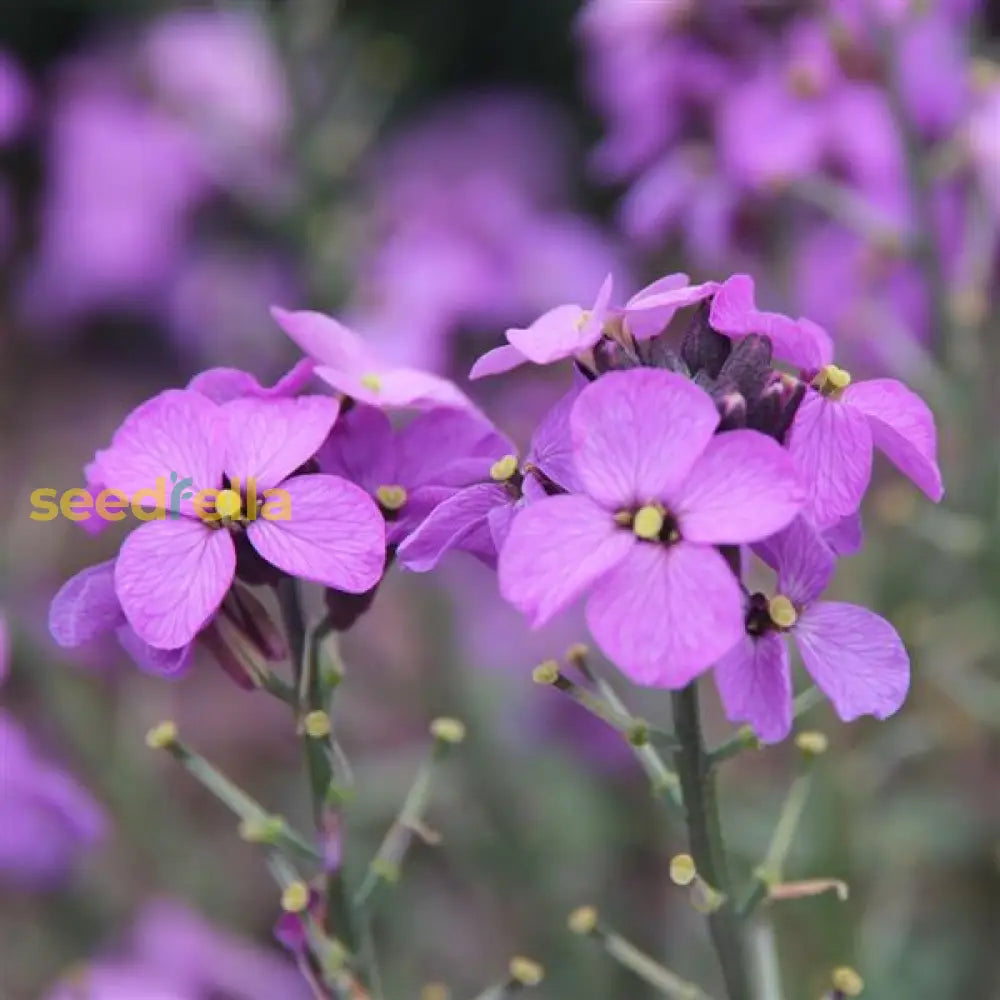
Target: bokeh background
436,172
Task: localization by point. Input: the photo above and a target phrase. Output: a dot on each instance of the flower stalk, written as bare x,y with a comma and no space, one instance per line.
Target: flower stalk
694,767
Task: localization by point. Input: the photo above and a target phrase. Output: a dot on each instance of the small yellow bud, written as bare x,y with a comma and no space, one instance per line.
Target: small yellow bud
262,831
162,736
847,981
782,611
583,920
577,652
371,381
546,673
682,869
228,503
638,733
526,971
386,870
503,469
435,991
812,743
648,522
295,897
317,725
448,730
391,497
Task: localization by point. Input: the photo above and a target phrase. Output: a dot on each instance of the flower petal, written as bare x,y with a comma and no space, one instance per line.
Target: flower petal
86,606
903,428
171,576
559,333
555,550
855,657
742,488
551,447
325,339
651,310
159,662
268,439
396,388
832,447
460,522
636,434
665,615
360,449
496,362
755,683
174,436
845,537
802,559
224,384
335,534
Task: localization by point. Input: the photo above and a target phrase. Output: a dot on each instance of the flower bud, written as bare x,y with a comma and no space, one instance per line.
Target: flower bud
295,897
583,920
682,869
162,736
262,831
316,725
447,730
526,971
812,743
847,981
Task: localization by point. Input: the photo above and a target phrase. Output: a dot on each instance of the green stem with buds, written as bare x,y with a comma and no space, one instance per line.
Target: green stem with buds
694,766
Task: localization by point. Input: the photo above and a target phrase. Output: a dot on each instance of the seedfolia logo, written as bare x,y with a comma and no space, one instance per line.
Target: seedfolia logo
172,497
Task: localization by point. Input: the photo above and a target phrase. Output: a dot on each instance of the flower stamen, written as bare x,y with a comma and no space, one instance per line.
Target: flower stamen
503,469
648,522
782,612
391,497
228,504
832,381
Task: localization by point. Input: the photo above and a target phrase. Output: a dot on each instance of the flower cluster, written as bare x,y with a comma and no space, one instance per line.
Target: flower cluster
733,123
681,453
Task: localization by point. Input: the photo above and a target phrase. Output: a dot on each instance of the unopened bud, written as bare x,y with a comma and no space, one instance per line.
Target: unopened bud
847,981
386,870
638,733
295,897
448,730
583,920
546,673
162,736
526,971
682,869
812,742
578,652
435,991
317,725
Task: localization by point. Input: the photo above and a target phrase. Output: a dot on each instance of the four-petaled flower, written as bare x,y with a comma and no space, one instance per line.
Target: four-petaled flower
659,493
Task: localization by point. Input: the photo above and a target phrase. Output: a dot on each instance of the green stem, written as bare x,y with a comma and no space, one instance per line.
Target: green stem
745,738
705,836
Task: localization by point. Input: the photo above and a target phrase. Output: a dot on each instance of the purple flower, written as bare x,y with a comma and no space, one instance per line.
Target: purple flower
651,309
87,608
836,428
344,361
799,342
477,519
175,954
659,493
172,573
409,470
222,385
562,332
854,656
15,99
47,820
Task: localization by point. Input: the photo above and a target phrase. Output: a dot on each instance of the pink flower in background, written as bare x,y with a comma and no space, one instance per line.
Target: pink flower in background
173,953
47,820
659,493
172,574
16,99
344,361
854,656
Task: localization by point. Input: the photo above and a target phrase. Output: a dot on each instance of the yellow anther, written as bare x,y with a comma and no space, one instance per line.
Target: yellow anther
812,743
317,725
295,897
583,319
832,380
782,611
448,730
503,469
682,869
546,673
847,981
391,497
228,503
526,971
371,381
162,736
583,920
648,522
